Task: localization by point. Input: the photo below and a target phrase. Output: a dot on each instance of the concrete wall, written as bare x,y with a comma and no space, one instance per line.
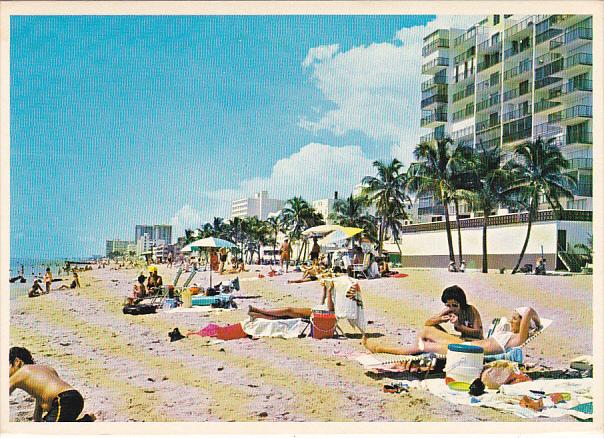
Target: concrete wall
504,243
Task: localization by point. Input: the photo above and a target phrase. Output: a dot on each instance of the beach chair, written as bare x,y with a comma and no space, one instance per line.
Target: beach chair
361,269
514,354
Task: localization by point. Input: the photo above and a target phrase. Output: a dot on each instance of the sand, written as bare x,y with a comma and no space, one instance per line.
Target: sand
127,369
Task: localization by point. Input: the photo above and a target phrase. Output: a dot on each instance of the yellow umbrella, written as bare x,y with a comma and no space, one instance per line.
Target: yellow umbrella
343,233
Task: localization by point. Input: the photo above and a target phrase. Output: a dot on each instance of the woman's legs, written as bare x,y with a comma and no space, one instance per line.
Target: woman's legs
287,312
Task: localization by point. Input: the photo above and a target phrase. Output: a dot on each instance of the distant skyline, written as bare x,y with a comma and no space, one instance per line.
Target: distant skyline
125,120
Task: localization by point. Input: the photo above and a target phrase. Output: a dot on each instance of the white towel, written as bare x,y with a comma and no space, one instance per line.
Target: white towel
274,328
346,308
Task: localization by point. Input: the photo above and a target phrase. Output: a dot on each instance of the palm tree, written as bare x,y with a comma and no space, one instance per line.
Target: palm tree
352,212
432,174
395,220
298,214
487,183
387,191
538,171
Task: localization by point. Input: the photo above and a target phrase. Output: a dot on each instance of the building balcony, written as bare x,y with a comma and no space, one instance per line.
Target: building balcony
440,43
486,85
517,137
490,143
462,114
546,130
488,103
571,38
515,115
583,189
434,82
546,107
573,90
465,38
431,119
578,63
486,125
580,164
547,82
581,139
435,65
547,35
510,53
520,72
571,116
515,93
520,29
431,137
485,65
434,100
464,94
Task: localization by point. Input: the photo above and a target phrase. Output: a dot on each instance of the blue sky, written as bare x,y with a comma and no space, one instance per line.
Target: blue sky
123,120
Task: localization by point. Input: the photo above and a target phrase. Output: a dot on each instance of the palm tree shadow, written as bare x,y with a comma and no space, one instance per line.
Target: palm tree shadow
359,336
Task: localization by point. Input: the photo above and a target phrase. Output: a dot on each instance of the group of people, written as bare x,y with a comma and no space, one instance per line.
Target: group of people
36,289
467,325
219,262
140,290
453,267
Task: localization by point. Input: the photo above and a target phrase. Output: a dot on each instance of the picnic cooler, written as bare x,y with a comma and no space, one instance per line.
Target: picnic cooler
464,362
322,324
187,303
202,300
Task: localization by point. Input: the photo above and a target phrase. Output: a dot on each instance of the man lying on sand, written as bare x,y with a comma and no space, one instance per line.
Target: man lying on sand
509,335
54,396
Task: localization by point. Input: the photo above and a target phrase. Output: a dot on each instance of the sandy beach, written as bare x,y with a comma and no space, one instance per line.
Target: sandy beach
127,369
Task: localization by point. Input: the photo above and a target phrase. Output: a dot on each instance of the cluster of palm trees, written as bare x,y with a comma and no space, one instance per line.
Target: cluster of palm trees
450,173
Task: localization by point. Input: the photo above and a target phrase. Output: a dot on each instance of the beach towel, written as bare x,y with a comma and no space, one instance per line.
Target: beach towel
274,328
399,275
577,396
348,302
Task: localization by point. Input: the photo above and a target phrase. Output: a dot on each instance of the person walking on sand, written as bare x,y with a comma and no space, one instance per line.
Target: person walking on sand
223,252
60,401
48,280
285,251
315,250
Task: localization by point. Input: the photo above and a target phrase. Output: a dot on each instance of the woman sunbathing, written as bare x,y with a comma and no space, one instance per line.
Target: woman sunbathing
294,312
311,273
507,335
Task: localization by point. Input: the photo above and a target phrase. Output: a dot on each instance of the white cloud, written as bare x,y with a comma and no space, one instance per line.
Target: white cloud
375,88
186,217
314,172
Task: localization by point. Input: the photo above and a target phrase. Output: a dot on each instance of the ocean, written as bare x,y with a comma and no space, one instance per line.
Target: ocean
33,268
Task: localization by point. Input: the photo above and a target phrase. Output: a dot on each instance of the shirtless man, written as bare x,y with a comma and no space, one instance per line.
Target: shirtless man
54,396
285,254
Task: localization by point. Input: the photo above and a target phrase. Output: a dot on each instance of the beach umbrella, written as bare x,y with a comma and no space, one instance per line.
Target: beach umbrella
209,242
321,230
343,233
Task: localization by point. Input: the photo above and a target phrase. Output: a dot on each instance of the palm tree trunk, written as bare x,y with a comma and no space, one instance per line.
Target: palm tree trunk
448,226
526,239
275,249
458,229
485,261
381,235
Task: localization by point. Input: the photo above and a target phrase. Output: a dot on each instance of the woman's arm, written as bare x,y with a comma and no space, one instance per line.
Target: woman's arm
472,332
525,326
439,318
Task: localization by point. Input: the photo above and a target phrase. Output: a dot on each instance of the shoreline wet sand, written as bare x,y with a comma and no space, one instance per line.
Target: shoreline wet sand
127,369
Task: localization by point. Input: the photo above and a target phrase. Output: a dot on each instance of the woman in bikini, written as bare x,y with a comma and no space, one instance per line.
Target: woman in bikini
432,340
311,273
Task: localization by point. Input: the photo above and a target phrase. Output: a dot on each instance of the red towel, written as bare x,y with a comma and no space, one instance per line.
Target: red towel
399,275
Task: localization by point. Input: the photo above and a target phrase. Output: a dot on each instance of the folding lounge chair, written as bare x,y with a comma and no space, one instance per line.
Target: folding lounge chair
515,353
361,269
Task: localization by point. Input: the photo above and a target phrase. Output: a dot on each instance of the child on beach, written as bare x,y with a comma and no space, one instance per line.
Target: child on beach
60,401
36,290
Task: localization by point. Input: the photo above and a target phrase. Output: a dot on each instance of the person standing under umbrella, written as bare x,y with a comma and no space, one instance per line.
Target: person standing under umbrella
315,250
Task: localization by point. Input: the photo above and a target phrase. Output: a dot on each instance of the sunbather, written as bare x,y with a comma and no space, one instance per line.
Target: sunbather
432,340
75,282
60,401
138,290
311,273
464,317
294,312
154,279
36,290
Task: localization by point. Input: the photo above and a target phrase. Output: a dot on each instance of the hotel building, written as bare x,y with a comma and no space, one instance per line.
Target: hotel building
505,80
260,206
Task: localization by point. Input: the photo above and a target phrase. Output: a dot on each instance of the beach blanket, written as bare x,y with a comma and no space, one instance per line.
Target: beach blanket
348,302
220,299
576,402
197,309
274,328
399,275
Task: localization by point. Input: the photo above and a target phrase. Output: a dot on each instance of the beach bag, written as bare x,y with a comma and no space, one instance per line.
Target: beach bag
498,373
138,309
322,325
229,332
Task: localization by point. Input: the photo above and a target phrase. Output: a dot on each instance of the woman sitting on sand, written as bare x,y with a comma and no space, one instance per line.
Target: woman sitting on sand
75,282
384,268
36,290
464,317
432,340
138,290
311,273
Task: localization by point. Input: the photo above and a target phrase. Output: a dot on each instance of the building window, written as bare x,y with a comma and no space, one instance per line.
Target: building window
496,20
495,37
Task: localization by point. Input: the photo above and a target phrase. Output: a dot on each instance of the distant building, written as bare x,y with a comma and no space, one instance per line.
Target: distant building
155,232
325,207
146,244
116,247
260,206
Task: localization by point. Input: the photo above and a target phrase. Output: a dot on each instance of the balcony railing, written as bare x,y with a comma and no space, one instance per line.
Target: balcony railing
487,64
487,45
463,114
515,51
438,62
580,163
441,43
469,91
519,27
516,92
545,105
570,113
486,103
578,59
436,80
523,67
466,36
437,98
486,125
583,33
516,114
461,133
517,135
485,85
571,87
547,35
431,117
546,130
547,81
581,138
584,189
433,91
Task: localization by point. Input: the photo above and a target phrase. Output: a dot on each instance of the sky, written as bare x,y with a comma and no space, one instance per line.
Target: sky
125,120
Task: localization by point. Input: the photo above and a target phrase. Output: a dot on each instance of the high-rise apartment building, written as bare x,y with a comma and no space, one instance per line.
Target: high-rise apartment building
510,79
117,247
154,232
260,205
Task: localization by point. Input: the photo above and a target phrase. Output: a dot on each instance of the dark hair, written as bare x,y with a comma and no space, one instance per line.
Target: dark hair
141,279
20,353
455,293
